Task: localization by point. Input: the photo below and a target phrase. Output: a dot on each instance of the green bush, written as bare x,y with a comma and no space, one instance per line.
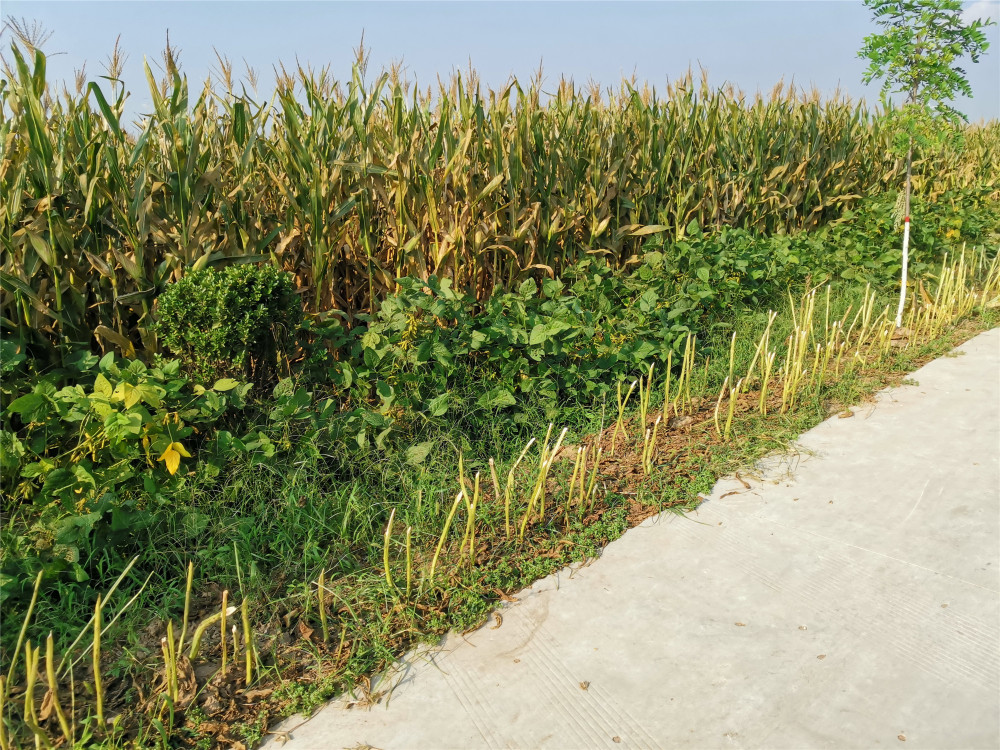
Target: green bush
230,323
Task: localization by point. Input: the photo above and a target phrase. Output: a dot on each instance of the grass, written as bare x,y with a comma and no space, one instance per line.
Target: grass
336,573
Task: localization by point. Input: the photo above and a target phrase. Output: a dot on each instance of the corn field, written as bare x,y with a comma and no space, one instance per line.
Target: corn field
352,185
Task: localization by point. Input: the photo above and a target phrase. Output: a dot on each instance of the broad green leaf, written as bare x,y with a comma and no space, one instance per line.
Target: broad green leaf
224,384
43,249
25,404
438,405
416,454
496,399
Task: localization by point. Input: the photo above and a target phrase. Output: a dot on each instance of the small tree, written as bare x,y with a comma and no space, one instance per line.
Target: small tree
917,55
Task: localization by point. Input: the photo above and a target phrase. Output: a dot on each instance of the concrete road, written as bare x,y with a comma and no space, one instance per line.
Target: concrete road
850,598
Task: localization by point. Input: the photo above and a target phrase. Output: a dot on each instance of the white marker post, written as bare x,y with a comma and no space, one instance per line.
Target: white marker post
906,260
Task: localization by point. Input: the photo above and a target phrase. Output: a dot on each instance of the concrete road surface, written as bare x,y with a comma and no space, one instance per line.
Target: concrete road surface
850,598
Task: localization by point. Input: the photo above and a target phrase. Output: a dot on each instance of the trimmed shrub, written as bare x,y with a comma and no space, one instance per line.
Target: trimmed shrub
234,322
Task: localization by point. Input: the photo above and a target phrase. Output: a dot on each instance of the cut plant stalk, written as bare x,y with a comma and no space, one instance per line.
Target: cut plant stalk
666,386
168,692
172,681
509,489
248,640
21,635
620,422
544,467
580,452
187,606
718,405
222,629
50,674
538,490
592,484
4,741
96,655
203,626
31,657
409,568
649,447
469,537
766,382
683,398
321,603
762,346
385,551
733,394
495,480
444,535
692,341
732,357
645,394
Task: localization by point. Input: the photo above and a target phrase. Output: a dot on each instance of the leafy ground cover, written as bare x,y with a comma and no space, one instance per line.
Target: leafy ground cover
349,523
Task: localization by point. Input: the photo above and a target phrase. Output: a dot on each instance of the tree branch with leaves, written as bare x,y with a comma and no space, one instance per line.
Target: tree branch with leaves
918,55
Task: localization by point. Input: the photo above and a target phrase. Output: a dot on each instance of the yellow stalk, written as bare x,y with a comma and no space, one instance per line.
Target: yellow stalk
509,489
165,649
50,674
96,657
385,550
593,479
203,626
496,481
718,404
840,353
409,568
31,657
765,382
572,482
4,742
461,474
444,534
645,394
321,601
650,446
666,385
732,355
187,605
248,646
692,340
21,635
733,394
472,521
222,628
547,464
761,345
619,423
171,662
826,319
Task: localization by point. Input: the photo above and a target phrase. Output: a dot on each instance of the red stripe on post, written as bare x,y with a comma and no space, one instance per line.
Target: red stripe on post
906,218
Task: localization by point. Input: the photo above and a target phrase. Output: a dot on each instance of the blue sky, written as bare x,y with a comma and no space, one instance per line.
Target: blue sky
750,43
